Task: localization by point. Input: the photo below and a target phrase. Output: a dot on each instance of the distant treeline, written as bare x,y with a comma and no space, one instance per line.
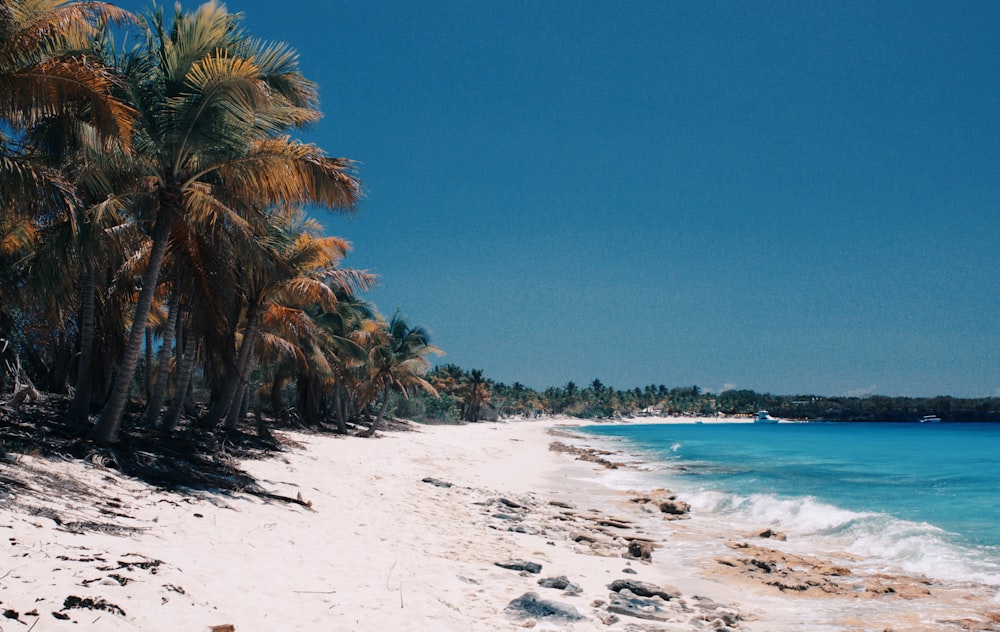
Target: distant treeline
471,396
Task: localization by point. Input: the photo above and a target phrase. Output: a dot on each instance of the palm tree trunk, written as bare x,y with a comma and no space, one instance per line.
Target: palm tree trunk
276,386
185,367
147,381
338,408
80,409
236,407
381,412
109,425
221,406
309,387
155,401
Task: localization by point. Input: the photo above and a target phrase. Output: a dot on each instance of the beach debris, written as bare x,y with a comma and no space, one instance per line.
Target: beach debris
530,605
90,603
436,482
560,583
644,589
520,565
133,561
630,571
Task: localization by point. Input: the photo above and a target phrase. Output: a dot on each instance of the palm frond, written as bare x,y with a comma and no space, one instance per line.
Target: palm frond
285,172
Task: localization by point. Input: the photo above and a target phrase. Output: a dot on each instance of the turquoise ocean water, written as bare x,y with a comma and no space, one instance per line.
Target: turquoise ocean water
923,498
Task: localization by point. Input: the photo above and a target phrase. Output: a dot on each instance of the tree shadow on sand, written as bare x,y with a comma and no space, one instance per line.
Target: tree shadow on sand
190,458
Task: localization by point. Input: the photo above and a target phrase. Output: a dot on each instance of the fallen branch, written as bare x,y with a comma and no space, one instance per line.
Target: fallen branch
285,499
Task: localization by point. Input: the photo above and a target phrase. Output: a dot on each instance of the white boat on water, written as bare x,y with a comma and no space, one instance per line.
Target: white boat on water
763,417
930,419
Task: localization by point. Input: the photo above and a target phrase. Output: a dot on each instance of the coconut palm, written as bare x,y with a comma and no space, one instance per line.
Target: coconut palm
399,364
214,106
344,336
285,270
48,70
91,239
477,395
47,67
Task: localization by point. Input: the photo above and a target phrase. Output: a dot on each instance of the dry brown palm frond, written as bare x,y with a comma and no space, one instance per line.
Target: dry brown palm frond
134,263
55,86
206,210
17,236
303,292
60,26
272,349
289,173
289,323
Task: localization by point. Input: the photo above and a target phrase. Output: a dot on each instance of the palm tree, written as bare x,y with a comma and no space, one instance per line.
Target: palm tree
399,364
477,394
48,70
344,336
286,270
214,106
88,239
50,74
47,67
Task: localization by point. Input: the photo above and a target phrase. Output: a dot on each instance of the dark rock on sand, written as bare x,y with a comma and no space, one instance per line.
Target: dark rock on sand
628,604
772,535
520,565
644,589
640,550
675,507
529,605
560,583
436,482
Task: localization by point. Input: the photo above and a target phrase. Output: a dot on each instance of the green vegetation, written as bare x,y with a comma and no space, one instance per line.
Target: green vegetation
597,400
158,273
153,244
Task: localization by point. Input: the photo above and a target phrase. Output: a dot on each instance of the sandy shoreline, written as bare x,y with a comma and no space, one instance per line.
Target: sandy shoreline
404,533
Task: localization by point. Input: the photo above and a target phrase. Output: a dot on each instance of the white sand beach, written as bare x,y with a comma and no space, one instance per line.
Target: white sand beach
404,533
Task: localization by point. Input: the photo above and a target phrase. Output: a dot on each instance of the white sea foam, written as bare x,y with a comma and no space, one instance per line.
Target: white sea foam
885,542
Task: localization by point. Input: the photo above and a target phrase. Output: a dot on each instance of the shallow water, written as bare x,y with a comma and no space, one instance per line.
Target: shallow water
921,498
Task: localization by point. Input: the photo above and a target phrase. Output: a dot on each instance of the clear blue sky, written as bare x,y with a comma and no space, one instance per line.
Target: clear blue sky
795,197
